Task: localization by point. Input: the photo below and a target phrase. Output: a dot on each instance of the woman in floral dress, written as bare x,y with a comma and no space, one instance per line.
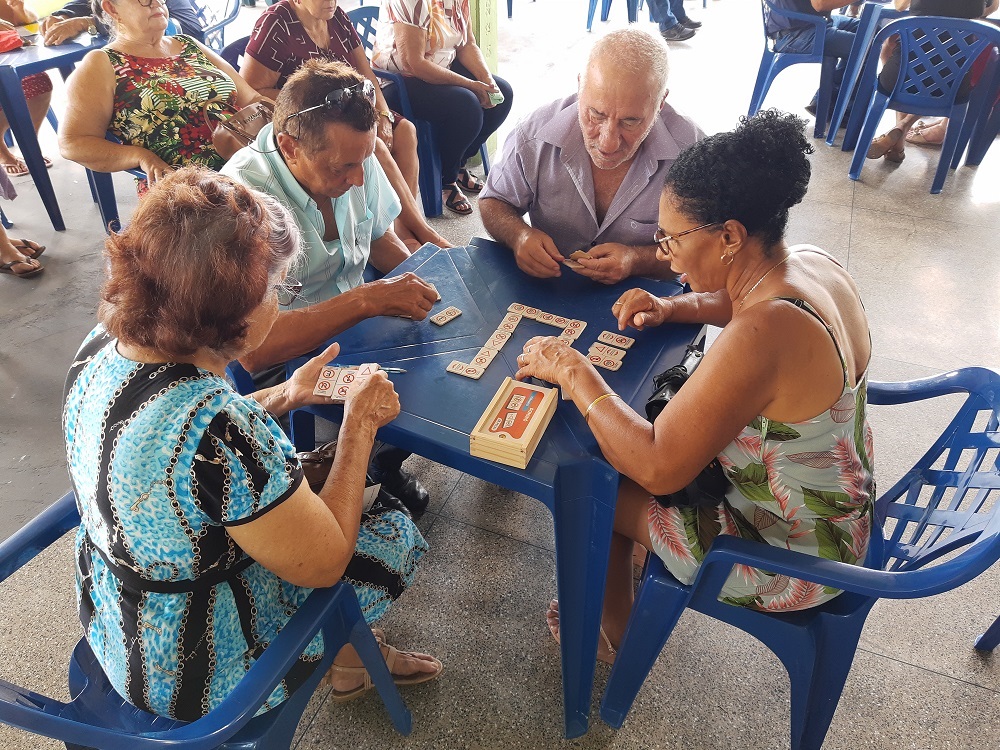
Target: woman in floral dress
779,399
150,91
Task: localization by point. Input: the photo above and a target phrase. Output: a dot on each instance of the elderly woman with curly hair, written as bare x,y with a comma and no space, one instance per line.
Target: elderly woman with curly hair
778,400
199,540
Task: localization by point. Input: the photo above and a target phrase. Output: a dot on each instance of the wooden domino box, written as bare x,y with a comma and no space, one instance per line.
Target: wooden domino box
513,424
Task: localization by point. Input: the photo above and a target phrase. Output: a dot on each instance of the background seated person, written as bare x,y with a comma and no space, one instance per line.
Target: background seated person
589,169
150,91
78,16
779,398
289,33
431,43
892,145
37,89
198,538
317,159
793,35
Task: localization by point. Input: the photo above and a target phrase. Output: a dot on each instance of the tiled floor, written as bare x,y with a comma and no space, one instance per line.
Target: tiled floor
927,267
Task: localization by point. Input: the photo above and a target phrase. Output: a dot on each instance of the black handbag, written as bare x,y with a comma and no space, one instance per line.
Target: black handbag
708,488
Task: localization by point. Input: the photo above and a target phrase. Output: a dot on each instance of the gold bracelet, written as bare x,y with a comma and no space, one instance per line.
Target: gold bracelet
595,402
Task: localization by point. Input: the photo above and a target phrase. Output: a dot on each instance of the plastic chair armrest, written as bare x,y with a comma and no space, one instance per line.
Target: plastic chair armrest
260,680
404,99
37,534
967,380
817,21
727,551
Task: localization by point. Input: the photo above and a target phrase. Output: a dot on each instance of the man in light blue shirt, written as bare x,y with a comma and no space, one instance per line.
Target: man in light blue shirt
316,158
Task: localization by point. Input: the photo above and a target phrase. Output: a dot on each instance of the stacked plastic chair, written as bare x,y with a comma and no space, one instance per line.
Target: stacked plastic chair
97,717
429,181
215,21
936,55
936,528
772,63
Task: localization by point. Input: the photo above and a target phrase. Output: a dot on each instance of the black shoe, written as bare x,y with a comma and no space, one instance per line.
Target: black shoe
405,486
386,467
811,107
688,23
677,33
385,501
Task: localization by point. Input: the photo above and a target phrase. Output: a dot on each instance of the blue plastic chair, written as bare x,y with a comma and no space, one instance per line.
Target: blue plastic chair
987,127
937,54
7,223
233,51
874,15
8,137
991,638
429,180
215,21
772,63
102,188
97,717
940,506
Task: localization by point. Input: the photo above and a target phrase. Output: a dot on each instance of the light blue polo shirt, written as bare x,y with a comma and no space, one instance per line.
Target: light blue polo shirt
362,214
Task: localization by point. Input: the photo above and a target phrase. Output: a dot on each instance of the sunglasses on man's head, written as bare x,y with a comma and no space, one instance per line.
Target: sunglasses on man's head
339,98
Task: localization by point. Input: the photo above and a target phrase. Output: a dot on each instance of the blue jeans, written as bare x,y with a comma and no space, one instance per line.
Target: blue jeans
667,13
837,43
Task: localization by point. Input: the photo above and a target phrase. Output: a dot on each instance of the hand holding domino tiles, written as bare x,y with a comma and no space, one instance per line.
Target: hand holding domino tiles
298,389
607,263
372,400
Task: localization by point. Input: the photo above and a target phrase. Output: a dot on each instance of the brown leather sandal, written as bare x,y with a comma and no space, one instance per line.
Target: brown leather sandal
391,653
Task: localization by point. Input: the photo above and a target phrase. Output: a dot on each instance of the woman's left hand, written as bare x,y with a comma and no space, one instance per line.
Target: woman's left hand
385,131
549,359
482,92
299,387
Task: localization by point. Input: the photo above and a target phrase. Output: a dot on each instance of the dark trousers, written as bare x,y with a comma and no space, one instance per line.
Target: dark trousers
461,125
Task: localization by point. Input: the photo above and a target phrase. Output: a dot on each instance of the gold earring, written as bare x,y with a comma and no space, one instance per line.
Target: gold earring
727,259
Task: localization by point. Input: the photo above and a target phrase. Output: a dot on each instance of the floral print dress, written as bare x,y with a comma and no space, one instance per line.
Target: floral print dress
805,486
159,103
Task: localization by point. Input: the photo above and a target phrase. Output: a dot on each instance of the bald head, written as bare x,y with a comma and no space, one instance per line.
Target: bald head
630,55
616,110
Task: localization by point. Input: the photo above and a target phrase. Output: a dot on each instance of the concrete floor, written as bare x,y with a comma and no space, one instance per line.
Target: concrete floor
927,268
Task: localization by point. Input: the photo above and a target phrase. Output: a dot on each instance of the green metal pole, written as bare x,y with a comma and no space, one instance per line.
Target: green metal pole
484,26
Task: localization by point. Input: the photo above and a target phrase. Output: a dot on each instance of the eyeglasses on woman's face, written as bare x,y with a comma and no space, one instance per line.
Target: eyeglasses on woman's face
289,290
668,242
149,3
339,98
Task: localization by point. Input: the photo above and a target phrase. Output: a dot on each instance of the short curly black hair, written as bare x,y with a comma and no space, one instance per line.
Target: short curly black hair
753,174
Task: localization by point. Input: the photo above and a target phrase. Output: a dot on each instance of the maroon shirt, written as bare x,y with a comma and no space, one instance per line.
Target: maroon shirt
280,43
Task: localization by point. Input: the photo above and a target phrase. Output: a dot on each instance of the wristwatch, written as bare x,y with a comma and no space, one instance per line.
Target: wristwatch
92,27
387,115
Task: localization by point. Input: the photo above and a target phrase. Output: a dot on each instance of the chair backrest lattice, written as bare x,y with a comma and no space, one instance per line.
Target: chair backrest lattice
365,20
215,15
937,54
948,498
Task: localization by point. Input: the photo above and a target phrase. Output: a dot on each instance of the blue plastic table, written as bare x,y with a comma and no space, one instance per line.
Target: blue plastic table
24,62
567,471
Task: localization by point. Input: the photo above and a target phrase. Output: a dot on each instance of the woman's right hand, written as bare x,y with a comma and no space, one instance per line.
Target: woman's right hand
373,400
640,309
56,31
154,167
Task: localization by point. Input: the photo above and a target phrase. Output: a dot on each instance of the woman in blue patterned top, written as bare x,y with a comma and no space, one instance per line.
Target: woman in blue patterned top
199,539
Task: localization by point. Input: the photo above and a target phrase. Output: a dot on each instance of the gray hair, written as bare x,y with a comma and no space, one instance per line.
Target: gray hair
635,52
